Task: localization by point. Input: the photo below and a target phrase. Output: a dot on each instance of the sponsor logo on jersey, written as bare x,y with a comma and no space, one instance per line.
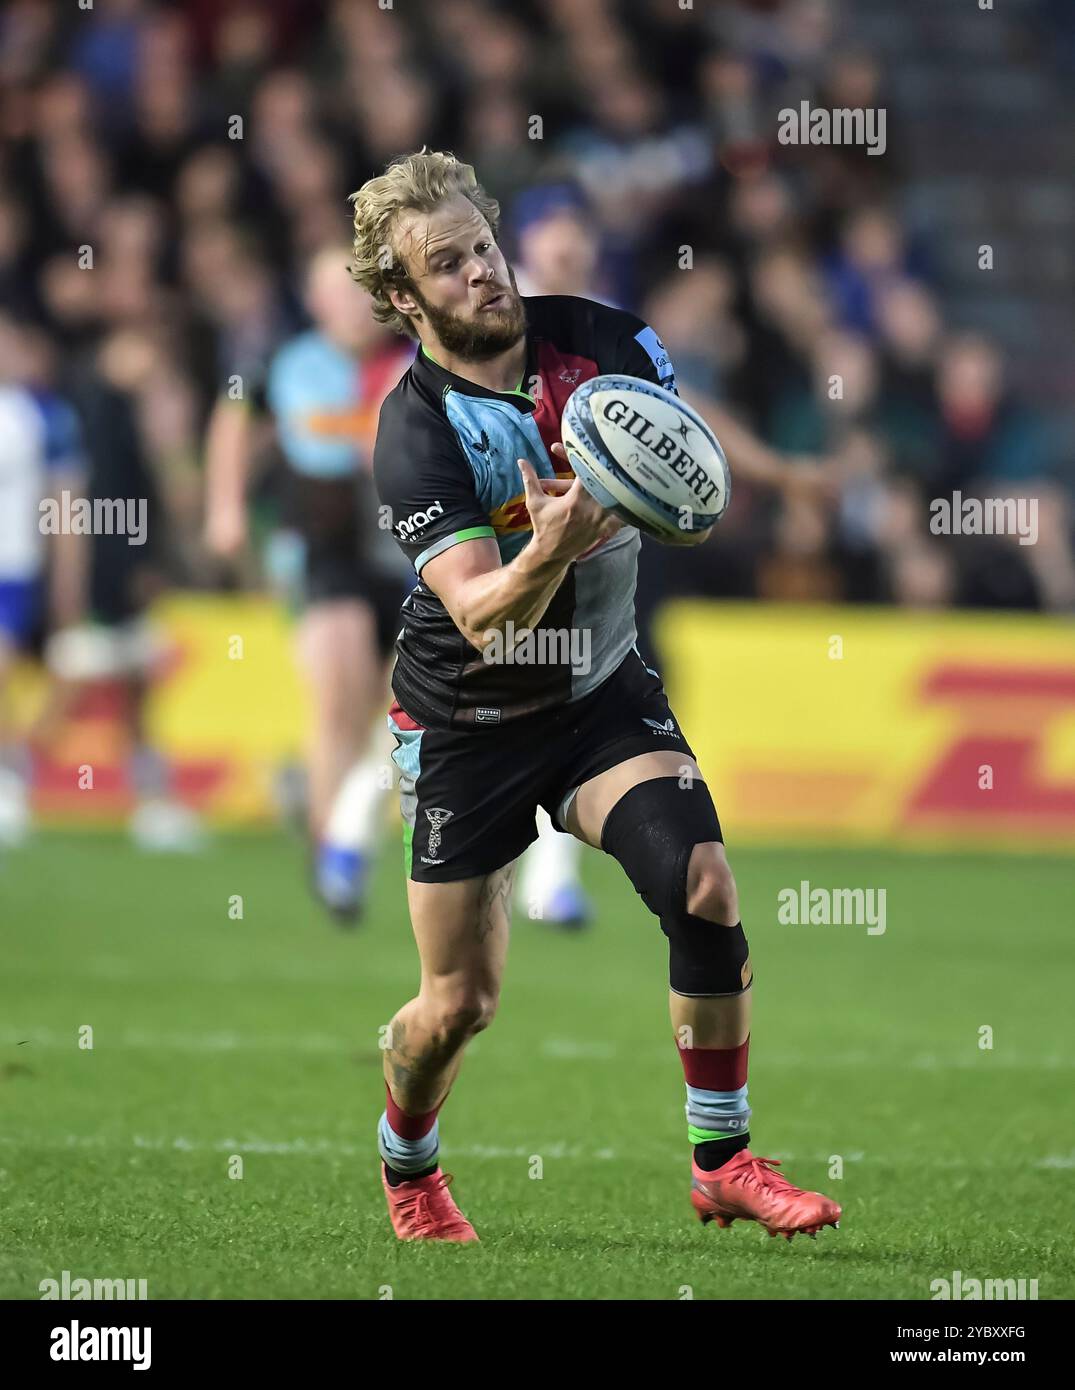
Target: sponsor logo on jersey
484,715
350,422
408,528
657,353
513,515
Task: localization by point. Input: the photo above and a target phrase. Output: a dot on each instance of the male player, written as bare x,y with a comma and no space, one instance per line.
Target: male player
323,389
505,540
42,578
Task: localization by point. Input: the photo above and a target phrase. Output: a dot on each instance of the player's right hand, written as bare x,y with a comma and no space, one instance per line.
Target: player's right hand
225,531
567,521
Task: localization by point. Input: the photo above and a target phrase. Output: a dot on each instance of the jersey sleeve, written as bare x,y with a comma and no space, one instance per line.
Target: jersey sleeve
424,485
638,351
62,435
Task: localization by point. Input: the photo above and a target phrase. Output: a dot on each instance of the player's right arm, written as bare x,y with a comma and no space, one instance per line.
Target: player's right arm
227,465
429,500
482,595
65,463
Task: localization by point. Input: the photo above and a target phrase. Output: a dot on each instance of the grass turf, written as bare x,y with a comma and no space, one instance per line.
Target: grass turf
258,1037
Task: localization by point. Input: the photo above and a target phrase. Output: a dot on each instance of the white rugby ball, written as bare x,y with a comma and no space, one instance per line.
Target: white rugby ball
647,456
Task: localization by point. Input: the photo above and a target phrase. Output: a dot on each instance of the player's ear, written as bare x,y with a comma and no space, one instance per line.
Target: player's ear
403,301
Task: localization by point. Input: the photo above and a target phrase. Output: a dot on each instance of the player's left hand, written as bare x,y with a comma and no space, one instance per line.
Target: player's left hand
559,485
811,479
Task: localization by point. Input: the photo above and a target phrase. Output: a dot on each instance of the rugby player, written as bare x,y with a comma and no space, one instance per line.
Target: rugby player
41,456
486,506
322,389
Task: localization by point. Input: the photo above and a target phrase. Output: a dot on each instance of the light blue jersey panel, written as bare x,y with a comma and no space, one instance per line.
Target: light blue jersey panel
493,435
314,391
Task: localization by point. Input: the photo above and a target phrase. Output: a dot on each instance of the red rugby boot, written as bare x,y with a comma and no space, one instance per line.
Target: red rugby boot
424,1209
748,1189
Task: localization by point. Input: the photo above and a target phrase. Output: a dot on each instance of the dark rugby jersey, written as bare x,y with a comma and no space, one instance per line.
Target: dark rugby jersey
445,467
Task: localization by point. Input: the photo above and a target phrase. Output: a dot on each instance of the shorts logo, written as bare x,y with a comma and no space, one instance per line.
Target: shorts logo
437,818
485,715
668,727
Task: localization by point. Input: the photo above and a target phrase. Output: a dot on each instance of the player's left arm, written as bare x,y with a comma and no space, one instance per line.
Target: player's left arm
69,553
752,460
235,429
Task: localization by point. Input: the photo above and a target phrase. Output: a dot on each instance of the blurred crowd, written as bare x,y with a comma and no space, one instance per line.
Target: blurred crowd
168,170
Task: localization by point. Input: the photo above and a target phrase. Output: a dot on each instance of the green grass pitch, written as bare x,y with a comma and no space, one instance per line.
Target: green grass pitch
215,1037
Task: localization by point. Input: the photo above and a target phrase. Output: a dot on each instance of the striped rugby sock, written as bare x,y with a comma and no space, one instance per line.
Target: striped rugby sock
407,1143
718,1114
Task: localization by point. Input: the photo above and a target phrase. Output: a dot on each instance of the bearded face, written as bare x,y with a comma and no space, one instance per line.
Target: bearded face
459,290
496,324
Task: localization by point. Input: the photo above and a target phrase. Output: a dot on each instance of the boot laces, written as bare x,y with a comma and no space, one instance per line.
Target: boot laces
431,1209
759,1172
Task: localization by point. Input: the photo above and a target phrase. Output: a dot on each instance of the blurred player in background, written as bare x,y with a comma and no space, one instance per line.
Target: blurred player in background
117,650
41,577
323,390
86,607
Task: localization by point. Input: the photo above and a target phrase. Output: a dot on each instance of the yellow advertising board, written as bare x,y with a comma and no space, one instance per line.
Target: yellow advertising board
228,707
871,725
812,724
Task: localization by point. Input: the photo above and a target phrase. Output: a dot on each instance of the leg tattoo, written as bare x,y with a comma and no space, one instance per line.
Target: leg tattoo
494,903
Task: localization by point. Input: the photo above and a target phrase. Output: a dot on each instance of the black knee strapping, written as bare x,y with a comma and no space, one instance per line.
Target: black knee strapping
705,958
651,831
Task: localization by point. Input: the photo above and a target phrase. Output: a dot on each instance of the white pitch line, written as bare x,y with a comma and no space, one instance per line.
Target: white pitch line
183,1042
559,1149
555,1049
121,972
307,1148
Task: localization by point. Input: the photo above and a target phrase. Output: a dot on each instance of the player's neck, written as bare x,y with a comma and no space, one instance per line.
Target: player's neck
500,373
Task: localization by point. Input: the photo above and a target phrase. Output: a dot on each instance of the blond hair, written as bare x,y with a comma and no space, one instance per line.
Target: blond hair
420,181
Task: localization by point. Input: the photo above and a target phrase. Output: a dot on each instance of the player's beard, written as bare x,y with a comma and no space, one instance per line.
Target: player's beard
489,333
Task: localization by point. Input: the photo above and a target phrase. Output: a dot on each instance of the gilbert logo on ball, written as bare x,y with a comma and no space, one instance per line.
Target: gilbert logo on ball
647,456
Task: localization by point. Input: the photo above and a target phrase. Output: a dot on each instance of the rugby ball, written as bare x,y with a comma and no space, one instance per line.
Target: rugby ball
647,456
